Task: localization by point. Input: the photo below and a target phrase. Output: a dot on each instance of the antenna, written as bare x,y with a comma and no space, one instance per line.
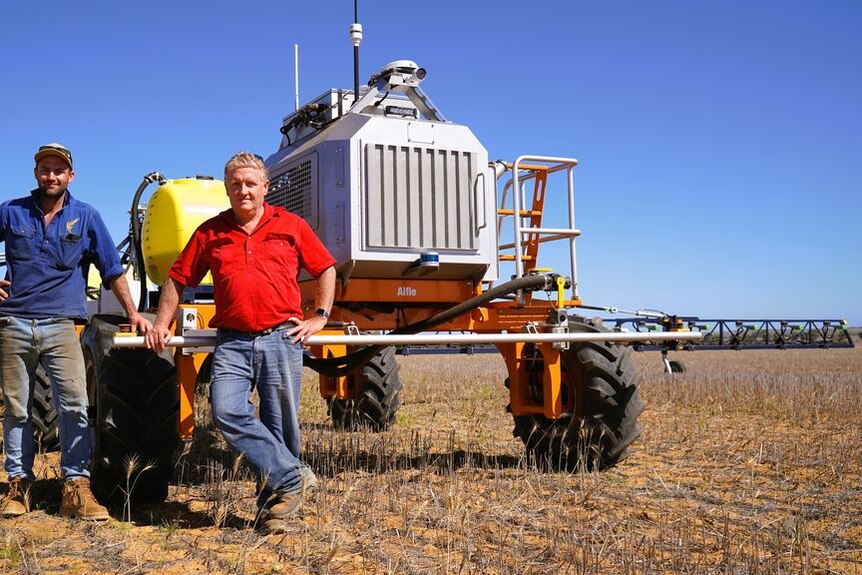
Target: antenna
296,76
355,39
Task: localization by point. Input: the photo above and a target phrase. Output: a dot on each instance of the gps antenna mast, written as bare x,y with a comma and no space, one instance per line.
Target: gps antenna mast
296,76
355,39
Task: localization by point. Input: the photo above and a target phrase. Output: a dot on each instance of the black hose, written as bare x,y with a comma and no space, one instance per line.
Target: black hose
339,366
140,267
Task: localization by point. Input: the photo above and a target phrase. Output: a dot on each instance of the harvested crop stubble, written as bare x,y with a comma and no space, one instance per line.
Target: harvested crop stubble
750,462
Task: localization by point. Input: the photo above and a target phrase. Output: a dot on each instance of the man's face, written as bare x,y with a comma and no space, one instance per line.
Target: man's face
53,176
246,188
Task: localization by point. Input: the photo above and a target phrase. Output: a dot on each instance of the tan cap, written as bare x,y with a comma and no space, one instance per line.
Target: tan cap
54,149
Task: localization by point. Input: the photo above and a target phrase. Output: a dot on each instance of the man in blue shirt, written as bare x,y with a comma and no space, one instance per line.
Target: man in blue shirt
51,240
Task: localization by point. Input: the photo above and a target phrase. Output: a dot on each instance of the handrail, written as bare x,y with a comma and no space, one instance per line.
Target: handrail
209,339
550,165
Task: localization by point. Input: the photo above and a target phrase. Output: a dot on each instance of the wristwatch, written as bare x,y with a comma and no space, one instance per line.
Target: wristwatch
322,313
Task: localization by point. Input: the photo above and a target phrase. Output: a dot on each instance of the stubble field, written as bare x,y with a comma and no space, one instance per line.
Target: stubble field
750,462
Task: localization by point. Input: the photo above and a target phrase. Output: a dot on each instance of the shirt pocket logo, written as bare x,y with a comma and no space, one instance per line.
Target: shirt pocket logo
70,226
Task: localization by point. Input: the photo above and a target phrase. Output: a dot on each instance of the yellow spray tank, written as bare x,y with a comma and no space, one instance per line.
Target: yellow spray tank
174,211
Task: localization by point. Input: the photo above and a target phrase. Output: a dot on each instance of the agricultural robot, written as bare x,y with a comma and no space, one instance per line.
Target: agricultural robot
435,245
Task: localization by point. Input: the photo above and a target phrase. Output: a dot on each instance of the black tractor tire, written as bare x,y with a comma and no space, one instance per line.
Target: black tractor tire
43,414
136,400
46,426
602,381
377,399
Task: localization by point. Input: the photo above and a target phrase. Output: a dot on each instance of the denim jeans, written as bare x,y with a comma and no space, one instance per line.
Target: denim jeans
273,365
53,343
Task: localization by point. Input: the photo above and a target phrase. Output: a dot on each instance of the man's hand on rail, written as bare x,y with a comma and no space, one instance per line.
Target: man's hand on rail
158,337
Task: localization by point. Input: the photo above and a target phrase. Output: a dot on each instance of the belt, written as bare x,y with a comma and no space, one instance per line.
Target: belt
266,331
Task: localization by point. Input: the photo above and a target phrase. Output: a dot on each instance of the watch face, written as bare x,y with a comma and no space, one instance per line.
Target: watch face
322,313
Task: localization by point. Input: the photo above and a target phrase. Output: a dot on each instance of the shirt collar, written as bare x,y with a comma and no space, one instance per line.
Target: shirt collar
36,205
268,213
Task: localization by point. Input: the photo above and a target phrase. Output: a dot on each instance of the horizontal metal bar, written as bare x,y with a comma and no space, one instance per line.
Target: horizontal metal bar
562,163
708,347
511,258
557,231
542,240
749,333
464,349
438,338
522,213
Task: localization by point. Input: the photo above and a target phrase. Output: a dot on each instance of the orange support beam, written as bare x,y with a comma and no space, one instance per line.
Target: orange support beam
187,374
523,371
552,381
332,387
188,368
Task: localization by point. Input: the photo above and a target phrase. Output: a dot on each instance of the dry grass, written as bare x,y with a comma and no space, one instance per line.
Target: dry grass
749,463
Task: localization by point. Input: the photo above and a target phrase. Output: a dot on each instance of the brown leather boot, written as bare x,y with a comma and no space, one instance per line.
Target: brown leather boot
79,503
286,505
274,519
17,499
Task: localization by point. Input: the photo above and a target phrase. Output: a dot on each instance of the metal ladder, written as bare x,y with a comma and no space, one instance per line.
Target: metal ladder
528,230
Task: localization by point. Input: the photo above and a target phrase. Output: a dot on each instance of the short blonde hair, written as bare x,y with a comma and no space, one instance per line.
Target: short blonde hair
246,160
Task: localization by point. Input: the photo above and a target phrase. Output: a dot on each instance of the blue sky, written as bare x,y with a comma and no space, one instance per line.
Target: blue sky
716,140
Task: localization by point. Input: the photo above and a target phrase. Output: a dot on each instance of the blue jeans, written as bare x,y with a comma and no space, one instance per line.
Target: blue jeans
273,365
53,343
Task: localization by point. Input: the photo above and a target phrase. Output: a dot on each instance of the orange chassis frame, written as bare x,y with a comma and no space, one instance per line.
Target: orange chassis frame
425,299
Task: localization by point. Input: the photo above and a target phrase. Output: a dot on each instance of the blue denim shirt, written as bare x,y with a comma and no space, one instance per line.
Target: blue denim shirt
48,266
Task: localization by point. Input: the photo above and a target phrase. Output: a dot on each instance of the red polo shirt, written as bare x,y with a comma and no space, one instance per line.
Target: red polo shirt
255,275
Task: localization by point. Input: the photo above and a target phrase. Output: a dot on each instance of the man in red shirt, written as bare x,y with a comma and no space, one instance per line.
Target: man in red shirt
255,252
